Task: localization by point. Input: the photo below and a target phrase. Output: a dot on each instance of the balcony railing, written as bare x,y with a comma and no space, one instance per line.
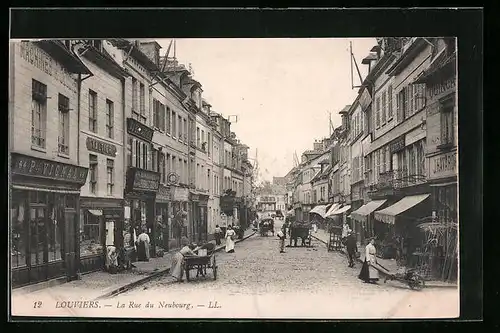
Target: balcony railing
396,179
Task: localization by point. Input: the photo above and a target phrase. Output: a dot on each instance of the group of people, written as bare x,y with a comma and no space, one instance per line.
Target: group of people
369,274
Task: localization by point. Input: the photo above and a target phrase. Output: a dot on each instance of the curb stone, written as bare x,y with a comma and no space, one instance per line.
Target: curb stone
427,284
156,274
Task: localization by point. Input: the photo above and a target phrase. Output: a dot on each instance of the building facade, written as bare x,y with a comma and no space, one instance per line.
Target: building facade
45,175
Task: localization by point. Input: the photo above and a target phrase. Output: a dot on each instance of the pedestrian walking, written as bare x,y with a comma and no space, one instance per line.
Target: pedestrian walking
351,249
345,231
282,236
230,236
369,273
218,234
176,270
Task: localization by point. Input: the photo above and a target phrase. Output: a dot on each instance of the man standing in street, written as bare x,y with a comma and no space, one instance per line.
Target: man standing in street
282,236
351,248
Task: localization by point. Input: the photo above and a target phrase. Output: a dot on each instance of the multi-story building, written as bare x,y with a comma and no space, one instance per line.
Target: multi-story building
101,148
45,170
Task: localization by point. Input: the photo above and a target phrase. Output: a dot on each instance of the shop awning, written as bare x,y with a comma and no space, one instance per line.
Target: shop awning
388,215
320,210
342,210
362,212
42,189
331,210
291,212
95,212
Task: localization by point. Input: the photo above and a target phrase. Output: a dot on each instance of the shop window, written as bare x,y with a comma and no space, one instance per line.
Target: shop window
110,119
92,111
110,171
38,113
55,235
93,173
63,137
38,235
91,239
19,232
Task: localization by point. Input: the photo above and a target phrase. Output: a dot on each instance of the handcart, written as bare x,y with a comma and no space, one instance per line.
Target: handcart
200,263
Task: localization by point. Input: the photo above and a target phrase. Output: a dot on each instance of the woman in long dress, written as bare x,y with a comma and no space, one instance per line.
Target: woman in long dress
176,269
368,272
143,242
230,235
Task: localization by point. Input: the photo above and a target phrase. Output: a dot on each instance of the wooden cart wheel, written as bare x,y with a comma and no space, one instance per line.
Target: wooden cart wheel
214,269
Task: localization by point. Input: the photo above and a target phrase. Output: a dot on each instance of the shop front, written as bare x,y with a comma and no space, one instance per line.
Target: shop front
101,225
44,213
140,195
181,213
199,204
163,220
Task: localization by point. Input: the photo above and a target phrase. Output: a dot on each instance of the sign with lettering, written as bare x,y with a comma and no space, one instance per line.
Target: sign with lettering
37,167
141,180
397,144
194,197
442,88
443,165
164,194
139,130
365,99
179,194
101,147
44,62
267,199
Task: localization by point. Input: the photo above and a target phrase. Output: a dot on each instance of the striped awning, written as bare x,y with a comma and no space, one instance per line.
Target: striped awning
320,210
331,210
342,210
388,215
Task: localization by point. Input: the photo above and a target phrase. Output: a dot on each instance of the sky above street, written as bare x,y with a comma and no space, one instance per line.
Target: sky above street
281,90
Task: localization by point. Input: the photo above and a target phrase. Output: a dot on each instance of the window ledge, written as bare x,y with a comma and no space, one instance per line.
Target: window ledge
63,155
40,149
445,146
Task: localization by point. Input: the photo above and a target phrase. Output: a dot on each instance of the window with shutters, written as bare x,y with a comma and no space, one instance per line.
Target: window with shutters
384,108
168,165
198,140
142,99
174,124
156,114
130,159
209,143
383,158
92,111
110,119
179,123
377,112
447,127
110,172
378,162
389,103
63,137
185,133
161,166
135,108
169,121
93,174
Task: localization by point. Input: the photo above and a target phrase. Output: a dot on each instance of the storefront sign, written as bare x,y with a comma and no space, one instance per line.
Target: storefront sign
142,180
101,147
194,197
44,62
163,194
441,88
444,165
267,199
365,99
139,130
397,144
37,167
179,194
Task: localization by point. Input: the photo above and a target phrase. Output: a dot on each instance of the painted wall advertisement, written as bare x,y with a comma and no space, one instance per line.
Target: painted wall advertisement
443,165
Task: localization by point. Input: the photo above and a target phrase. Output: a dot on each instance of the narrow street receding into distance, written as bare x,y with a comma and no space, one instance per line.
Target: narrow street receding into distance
286,283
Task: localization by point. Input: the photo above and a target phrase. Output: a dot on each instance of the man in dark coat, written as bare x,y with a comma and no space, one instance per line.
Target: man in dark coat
352,248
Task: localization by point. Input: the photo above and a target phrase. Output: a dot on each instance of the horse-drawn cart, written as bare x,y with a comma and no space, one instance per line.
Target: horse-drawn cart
302,231
266,225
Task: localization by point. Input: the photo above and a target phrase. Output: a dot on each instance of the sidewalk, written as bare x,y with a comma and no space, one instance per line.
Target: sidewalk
390,264
102,284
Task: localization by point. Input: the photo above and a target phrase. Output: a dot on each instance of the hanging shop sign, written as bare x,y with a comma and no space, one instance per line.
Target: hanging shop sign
443,165
178,194
37,167
139,130
101,147
164,194
141,180
398,144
